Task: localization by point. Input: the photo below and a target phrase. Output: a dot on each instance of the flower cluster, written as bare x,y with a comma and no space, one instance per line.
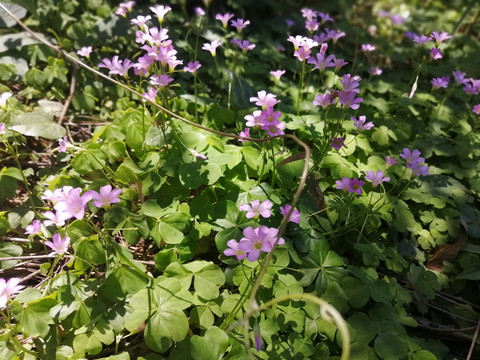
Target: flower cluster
125,7
267,118
254,241
255,209
435,52
414,161
345,97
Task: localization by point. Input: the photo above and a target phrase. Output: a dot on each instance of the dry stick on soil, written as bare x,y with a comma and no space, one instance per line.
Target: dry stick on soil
474,340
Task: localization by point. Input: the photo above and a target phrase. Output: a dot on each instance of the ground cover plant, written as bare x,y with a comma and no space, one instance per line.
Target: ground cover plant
239,180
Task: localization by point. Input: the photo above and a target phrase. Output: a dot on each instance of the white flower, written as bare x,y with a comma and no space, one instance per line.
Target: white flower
3,100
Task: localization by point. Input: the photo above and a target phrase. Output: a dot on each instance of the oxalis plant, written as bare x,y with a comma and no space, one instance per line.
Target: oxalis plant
238,198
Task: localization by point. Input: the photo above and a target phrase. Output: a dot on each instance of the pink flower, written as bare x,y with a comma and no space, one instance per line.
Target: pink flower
254,119
7,289
337,143
197,154
321,62
440,37
436,53
343,184
350,185
309,14
476,109
2,128
151,95
59,245
303,53
459,77
160,11
85,51
360,123
368,47
192,66
244,134
350,83
261,239
106,196
294,216
245,45
257,208
240,24
277,74
33,228
376,178
411,157
57,218
199,11
224,18
162,80
140,21
265,99
212,47
234,250
375,70
73,204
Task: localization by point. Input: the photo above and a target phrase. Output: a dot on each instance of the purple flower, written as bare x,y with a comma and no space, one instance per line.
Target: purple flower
160,11
339,63
234,250
356,185
162,80
376,178
117,66
419,170
350,185
63,144
257,208
321,62
257,337
2,128
224,18
322,100
309,14
347,99
439,37
85,51
411,157
265,99
192,66
106,196
143,64
73,204
476,109
436,53
33,228
459,77
294,216
254,119
441,82
303,53
240,24
277,74
261,239
343,184
58,244
360,123
124,7
389,161
420,39
199,11
472,86
7,289
350,83
337,143
325,17
212,47
245,45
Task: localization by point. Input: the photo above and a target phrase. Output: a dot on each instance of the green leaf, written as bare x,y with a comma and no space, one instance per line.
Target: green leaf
87,343
122,281
91,251
211,346
208,281
30,5
9,250
166,325
165,233
13,6
404,220
389,345
194,175
37,124
202,316
36,319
